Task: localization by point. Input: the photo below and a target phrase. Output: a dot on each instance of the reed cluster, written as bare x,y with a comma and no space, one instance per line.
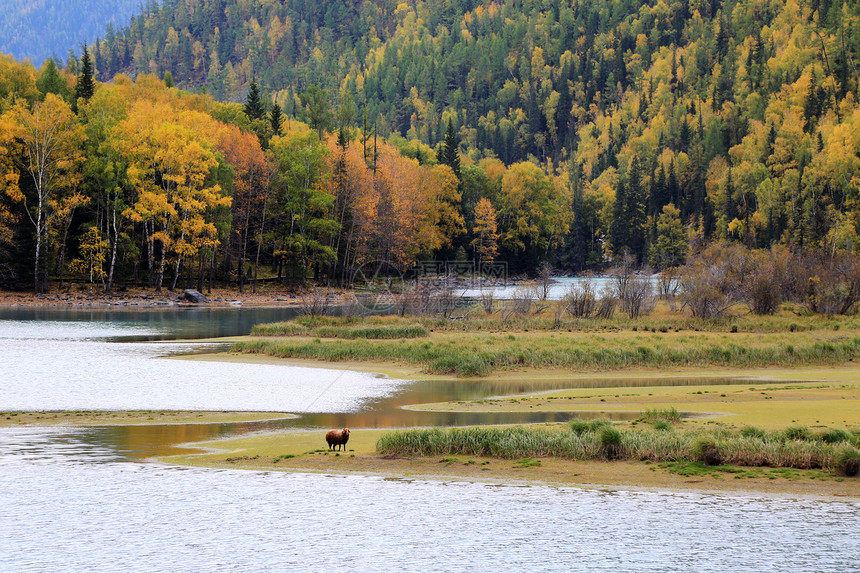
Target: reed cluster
603,441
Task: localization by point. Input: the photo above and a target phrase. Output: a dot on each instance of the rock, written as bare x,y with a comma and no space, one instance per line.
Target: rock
192,295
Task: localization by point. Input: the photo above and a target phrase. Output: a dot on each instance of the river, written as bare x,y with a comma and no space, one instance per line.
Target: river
81,499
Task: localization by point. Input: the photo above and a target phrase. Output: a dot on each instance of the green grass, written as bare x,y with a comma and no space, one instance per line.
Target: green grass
666,415
713,448
479,345
372,331
473,358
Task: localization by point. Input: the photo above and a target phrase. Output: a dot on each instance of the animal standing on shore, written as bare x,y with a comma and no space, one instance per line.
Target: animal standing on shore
337,438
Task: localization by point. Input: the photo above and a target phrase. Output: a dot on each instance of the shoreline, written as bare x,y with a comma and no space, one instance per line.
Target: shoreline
147,299
286,451
794,395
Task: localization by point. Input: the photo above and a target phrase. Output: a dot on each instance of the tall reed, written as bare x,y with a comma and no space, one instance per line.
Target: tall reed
578,441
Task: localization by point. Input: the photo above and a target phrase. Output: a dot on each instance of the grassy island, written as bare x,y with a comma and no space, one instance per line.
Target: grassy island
791,416
479,345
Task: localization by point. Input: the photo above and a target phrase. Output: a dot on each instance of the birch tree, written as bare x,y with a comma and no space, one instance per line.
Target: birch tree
50,152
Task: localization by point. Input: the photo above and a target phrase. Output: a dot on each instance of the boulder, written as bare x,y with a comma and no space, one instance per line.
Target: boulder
192,295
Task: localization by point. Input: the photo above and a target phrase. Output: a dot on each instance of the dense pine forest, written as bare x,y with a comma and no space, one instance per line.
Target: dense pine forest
40,29
563,132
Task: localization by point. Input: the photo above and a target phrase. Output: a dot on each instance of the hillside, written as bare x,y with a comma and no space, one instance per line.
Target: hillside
559,133
737,113
39,29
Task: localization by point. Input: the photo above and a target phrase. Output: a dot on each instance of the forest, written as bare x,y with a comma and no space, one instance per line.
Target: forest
40,29
554,132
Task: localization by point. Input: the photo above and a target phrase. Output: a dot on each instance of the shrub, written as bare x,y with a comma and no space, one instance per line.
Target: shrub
609,439
289,328
669,415
834,436
847,461
662,425
598,423
796,433
580,301
579,427
753,432
704,449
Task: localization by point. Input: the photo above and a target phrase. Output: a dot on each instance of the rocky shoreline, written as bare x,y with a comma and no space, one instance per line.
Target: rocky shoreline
147,299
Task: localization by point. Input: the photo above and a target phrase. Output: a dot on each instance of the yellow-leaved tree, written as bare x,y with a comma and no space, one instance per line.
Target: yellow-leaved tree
486,241
169,169
50,143
9,191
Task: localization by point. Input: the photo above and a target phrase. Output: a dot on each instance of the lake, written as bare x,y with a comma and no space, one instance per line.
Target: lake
81,499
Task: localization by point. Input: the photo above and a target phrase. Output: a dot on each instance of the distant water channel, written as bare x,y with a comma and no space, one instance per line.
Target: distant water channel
80,499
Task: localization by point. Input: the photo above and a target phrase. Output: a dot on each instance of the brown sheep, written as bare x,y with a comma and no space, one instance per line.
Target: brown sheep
337,438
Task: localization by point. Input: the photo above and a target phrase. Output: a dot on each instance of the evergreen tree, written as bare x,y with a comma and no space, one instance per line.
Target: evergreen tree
620,231
86,85
168,79
276,118
50,81
636,205
254,106
451,153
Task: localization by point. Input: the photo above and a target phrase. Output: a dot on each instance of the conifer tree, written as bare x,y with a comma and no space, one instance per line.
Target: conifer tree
254,107
451,152
86,85
276,118
50,81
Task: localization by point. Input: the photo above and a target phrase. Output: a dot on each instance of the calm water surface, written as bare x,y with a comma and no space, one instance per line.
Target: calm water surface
77,499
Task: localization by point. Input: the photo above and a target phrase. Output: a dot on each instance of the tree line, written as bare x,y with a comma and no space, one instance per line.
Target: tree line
735,116
138,182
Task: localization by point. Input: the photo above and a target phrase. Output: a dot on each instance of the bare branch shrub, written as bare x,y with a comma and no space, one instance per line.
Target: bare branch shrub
623,272
580,301
544,281
634,293
488,301
444,300
638,299
668,284
521,301
608,304
315,302
833,286
712,282
350,308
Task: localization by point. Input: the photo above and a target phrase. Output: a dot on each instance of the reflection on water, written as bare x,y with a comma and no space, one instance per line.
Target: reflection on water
137,325
139,442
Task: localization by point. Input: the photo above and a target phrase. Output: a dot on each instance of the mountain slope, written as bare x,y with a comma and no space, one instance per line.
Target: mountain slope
39,29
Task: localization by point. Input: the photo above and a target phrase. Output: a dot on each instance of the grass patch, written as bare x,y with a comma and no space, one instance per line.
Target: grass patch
666,415
346,331
580,441
847,461
479,345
